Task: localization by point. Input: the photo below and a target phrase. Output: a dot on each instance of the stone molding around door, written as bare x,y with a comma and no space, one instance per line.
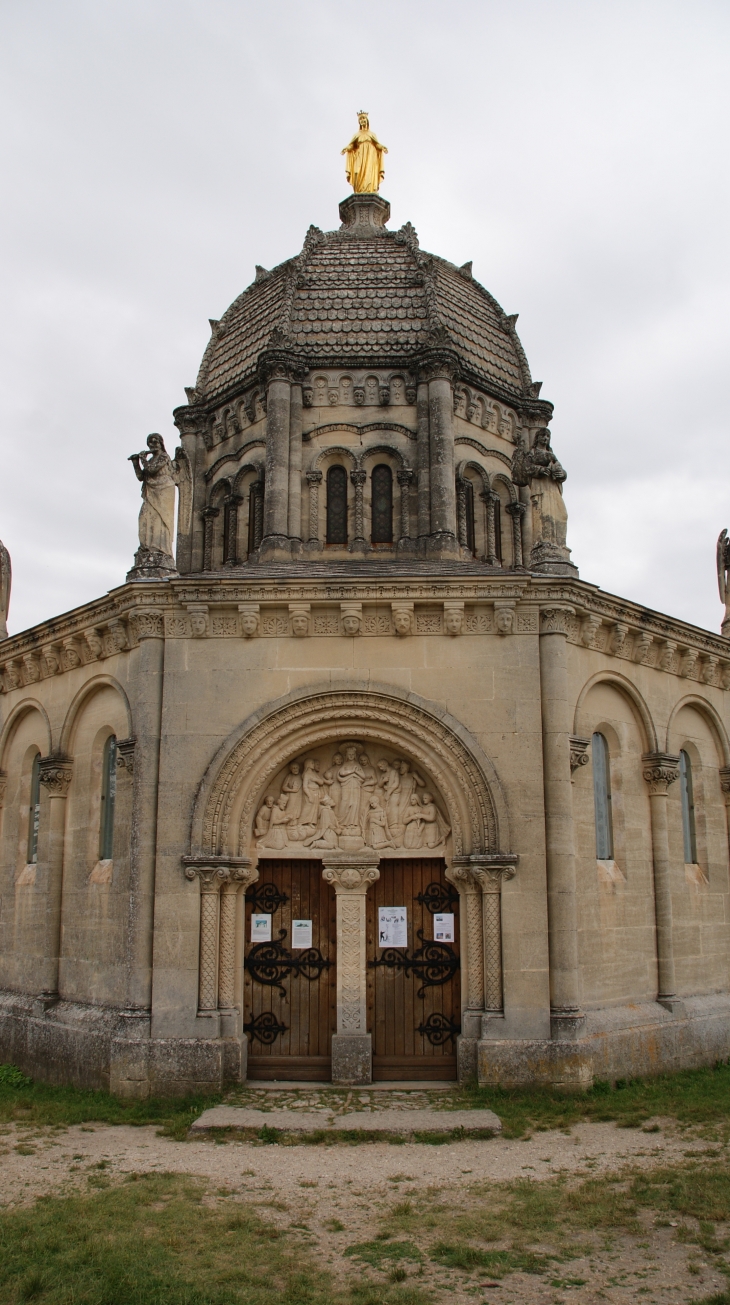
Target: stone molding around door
221,880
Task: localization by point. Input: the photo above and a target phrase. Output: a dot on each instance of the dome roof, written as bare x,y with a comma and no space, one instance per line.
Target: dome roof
364,296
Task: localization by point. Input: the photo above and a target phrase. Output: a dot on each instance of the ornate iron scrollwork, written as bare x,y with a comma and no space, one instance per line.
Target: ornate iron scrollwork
439,1029
434,963
265,1028
266,898
269,963
438,897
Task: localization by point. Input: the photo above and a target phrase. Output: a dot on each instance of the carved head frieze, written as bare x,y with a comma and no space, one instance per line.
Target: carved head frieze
402,618
453,617
348,798
504,617
351,614
198,613
299,617
250,619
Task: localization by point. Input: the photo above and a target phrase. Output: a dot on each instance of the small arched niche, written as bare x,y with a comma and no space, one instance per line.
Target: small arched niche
349,794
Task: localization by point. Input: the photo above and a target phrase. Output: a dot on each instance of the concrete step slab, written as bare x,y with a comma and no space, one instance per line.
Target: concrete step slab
393,1121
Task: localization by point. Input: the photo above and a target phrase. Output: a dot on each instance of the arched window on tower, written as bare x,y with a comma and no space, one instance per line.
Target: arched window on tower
337,505
688,809
108,794
602,798
469,509
382,498
498,531
34,814
255,515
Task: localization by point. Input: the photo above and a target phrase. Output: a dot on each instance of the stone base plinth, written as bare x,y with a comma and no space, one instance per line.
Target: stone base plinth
352,1059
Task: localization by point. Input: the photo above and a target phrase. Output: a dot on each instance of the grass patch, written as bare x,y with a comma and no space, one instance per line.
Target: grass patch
153,1241
698,1096
383,1251
43,1104
458,1255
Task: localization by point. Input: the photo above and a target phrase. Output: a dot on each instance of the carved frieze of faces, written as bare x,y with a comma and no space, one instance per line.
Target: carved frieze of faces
250,619
198,615
504,618
350,798
402,618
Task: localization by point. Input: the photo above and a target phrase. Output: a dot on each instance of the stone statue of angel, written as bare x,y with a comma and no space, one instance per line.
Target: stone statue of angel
5,578
723,577
159,475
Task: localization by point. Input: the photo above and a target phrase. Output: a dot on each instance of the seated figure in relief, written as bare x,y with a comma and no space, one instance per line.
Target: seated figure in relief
277,835
376,831
325,835
263,817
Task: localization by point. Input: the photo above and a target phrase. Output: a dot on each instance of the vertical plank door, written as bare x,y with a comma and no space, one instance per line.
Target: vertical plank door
290,994
414,993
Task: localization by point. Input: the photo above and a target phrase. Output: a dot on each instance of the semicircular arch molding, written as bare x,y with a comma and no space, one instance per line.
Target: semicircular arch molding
708,713
329,452
631,693
482,472
17,714
238,776
382,450
86,692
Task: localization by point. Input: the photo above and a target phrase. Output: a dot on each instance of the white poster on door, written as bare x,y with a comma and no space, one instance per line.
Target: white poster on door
260,928
443,928
392,926
301,933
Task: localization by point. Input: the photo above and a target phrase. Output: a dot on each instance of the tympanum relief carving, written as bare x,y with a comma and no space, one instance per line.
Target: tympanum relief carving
348,797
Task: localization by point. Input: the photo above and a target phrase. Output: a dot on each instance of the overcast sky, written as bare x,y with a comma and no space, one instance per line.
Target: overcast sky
153,151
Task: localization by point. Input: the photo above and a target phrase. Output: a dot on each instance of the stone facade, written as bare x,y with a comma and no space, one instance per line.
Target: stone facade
359,667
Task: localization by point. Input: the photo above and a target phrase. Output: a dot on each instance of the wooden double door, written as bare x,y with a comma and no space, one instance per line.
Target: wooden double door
289,992
414,992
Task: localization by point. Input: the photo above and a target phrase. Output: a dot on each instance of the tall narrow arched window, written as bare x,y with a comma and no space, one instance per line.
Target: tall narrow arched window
382,496
688,809
108,794
602,798
34,814
469,506
498,531
337,505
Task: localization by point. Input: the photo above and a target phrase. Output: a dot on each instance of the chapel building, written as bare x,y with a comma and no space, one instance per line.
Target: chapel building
364,782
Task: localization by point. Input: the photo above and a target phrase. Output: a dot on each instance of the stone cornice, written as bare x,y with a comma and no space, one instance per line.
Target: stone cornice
601,623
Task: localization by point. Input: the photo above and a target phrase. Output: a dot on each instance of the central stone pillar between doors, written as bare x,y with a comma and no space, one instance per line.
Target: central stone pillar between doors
351,874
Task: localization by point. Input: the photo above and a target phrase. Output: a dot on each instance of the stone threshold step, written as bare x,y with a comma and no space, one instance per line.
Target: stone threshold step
401,1121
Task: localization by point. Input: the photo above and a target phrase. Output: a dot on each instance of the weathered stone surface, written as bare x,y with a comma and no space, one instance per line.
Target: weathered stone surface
401,1122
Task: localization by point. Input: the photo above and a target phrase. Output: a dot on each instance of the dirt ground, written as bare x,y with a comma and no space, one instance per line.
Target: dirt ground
338,1194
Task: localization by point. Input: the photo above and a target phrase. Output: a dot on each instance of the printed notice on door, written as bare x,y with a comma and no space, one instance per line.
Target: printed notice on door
392,926
301,933
443,928
260,928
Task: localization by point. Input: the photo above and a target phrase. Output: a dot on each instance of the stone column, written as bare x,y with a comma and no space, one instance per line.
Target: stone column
55,776
241,874
517,512
459,873
275,543
359,543
149,674
208,515
441,437
314,480
489,872
212,876
566,1017
660,770
351,874
230,535
724,785
257,507
491,499
424,462
295,464
405,476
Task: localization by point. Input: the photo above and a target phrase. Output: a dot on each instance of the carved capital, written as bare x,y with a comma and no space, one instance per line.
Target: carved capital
438,363
579,752
660,769
125,754
358,477
351,872
404,477
554,620
725,780
55,774
147,623
214,871
516,509
486,870
314,477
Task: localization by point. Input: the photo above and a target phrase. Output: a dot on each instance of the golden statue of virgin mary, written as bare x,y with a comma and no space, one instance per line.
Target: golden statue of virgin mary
364,165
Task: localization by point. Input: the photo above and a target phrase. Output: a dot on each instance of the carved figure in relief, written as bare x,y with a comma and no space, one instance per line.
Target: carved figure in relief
389,783
312,785
364,158
277,835
5,579
263,817
539,469
409,782
435,828
369,784
376,831
159,476
330,778
292,788
350,777
328,828
413,823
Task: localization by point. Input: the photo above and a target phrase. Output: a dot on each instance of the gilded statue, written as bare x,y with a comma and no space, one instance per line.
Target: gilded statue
364,164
